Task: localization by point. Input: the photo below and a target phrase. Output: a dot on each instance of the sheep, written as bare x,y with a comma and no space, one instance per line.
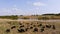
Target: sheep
20,23
53,27
27,23
21,30
31,27
39,25
42,29
26,29
31,24
13,27
34,25
35,30
8,30
48,26
21,26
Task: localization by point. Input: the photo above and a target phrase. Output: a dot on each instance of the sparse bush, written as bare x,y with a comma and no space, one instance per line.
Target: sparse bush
25,18
9,17
44,18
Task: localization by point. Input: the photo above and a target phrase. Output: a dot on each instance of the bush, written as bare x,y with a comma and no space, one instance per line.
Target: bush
9,17
25,18
44,18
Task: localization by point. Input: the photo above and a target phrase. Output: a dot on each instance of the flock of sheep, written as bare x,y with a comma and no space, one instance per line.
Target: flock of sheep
34,27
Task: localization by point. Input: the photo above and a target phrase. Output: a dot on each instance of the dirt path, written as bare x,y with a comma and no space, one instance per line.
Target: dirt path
30,20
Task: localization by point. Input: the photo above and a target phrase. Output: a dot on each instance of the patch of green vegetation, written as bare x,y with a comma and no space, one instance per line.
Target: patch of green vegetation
25,18
44,18
10,17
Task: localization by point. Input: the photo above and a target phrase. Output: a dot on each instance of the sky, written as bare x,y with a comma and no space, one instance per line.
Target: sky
29,7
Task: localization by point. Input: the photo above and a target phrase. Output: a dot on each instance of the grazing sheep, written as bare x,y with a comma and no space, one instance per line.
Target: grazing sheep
31,27
27,23
34,25
26,29
21,30
20,23
48,26
53,27
35,30
42,29
13,27
8,30
21,26
31,24
39,25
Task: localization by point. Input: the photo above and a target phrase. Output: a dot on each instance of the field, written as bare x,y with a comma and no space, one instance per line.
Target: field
9,26
33,24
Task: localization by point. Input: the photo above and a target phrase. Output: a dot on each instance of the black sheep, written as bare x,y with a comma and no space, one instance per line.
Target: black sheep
35,30
27,23
48,26
34,25
13,27
20,23
53,27
26,29
8,30
42,29
39,25
31,27
21,26
21,30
